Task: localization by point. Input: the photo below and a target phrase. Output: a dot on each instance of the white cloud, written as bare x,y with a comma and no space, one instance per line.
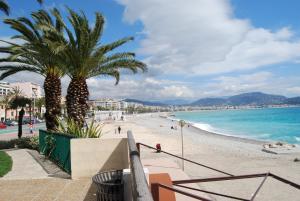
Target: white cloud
259,81
197,37
204,37
143,88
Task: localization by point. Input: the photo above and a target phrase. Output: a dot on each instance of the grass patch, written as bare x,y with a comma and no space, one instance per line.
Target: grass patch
5,163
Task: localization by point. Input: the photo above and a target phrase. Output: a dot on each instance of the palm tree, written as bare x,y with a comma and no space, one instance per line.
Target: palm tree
15,93
39,103
85,58
4,7
37,54
20,101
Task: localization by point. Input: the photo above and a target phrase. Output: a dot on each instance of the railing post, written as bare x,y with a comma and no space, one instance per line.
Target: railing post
140,188
155,191
138,146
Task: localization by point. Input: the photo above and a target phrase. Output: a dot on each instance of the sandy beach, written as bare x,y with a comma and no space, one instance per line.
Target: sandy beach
230,154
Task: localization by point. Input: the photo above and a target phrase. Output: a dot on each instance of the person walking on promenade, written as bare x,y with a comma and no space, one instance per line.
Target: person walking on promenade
31,128
119,129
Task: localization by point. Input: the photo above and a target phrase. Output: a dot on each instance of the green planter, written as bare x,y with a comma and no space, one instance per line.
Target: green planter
57,147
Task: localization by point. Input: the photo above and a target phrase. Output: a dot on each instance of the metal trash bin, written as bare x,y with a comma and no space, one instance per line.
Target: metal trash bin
110,185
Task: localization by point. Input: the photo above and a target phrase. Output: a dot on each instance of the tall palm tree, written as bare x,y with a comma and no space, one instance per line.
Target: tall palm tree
16,92
37,54
39,103
4,7
85,57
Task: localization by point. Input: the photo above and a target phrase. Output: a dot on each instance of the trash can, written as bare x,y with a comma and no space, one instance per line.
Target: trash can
110,185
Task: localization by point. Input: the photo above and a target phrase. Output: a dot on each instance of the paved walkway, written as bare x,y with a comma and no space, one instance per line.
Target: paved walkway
165,165
24,166
29,181
51,189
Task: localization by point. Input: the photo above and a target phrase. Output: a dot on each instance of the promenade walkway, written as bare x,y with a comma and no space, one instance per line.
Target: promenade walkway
35,179
24,166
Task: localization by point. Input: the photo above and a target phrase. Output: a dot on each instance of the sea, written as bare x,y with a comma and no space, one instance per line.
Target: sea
268,124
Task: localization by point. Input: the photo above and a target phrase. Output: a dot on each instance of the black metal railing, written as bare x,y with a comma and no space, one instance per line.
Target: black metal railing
140,189
229,176
185,159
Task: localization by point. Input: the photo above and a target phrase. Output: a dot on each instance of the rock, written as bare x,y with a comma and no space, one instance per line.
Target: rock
272,146
279,143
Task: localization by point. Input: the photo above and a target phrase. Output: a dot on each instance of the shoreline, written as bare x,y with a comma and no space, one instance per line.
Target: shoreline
223,135
244,137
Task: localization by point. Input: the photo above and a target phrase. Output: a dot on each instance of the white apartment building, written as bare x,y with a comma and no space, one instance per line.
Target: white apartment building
134,104
110,104
28,89
4,88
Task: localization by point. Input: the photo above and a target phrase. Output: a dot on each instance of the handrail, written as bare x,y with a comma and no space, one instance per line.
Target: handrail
196,163
212,179
140,189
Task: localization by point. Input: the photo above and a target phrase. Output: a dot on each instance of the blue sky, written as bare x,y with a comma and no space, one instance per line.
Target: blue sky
194,48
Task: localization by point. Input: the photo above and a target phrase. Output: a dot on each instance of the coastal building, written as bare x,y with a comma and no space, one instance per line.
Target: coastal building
5,88
28,89
107,103
108,115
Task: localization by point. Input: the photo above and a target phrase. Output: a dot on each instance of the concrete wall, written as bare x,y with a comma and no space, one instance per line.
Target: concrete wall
91,155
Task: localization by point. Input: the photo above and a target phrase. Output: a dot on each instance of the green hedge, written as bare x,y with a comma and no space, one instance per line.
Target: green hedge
23,143
57,147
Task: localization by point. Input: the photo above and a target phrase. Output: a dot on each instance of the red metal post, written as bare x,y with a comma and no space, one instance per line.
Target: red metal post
138,146
155,191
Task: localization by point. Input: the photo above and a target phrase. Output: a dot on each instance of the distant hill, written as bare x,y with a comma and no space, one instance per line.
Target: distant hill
254,98
209,102
149,103
176,102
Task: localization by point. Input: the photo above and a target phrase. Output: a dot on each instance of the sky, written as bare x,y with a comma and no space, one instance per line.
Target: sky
193,48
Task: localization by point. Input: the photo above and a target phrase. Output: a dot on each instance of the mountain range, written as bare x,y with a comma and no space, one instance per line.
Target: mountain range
253,98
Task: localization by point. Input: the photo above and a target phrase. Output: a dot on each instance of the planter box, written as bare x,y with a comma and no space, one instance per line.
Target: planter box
84,157
91,155
61,152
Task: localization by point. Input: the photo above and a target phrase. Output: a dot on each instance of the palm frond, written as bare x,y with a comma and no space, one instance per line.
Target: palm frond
40,1
109,47
4,7
17,69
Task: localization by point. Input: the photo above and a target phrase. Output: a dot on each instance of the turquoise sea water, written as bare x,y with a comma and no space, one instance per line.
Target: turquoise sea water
276,124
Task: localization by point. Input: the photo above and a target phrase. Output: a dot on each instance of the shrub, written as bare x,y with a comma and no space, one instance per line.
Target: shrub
7,144
25,142
71,127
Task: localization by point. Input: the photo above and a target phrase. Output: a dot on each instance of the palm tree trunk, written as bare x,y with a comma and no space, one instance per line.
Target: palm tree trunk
5,113
52,88
77,97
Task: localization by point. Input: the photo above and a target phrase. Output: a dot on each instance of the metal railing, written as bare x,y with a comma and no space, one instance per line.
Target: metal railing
179,183
140,189
185,159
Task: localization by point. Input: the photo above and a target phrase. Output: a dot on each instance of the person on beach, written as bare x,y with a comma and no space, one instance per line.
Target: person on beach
119,129
31,128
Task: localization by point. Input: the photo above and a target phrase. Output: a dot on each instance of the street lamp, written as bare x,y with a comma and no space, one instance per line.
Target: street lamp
182,124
